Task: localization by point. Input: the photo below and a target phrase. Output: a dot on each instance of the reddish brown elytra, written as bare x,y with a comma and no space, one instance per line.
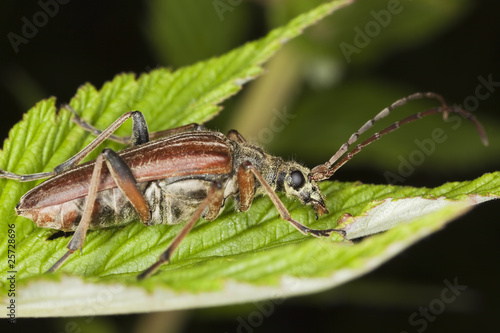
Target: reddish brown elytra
182,174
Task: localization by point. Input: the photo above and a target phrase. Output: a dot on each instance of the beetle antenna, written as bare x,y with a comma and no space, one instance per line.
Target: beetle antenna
326,170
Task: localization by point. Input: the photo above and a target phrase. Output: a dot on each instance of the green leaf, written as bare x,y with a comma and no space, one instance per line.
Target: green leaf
236,258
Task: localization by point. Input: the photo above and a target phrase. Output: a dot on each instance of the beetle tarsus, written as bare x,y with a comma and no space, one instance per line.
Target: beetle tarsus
60,262
326,232
151,270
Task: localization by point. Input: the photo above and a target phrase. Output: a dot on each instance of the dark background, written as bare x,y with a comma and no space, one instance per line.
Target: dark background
93,41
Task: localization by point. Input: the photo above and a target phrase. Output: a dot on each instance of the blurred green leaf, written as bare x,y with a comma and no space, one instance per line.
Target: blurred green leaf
183,32
371,29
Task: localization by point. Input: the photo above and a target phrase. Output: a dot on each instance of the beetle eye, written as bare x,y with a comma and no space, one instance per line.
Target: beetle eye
298,179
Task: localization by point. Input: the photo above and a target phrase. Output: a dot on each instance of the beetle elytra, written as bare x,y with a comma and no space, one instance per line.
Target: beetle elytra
182,174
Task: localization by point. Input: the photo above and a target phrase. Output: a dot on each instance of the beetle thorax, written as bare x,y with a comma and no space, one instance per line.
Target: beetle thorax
289,177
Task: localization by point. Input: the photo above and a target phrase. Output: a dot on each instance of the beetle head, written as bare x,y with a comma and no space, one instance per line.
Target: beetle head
294,180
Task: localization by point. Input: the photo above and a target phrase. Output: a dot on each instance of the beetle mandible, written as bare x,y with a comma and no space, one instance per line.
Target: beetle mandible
182,174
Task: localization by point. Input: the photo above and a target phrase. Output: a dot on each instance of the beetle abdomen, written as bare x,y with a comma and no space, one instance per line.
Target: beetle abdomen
175,202
111,209
169,203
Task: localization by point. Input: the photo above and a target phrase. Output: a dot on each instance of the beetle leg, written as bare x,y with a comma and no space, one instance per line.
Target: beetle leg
137,118
90,128
124,179
285,215
213,200
127,140
78,238
126,182
140,135
25,178
246,184
235,136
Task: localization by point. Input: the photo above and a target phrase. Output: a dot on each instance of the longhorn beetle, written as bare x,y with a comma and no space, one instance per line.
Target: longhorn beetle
181,175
